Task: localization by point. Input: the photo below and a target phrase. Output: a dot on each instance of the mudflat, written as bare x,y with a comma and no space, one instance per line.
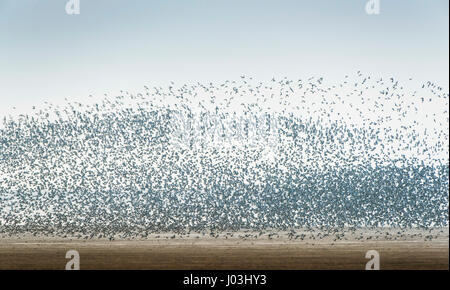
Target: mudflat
240,252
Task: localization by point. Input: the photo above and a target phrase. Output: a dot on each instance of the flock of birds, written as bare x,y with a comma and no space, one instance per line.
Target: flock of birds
276,155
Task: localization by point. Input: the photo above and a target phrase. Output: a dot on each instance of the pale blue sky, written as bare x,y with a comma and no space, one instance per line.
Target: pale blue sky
46,54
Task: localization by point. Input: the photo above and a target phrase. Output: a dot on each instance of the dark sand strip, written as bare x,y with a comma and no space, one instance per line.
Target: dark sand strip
224,255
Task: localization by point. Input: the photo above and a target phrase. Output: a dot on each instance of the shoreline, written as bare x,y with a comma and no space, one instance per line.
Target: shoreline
412,249
327,236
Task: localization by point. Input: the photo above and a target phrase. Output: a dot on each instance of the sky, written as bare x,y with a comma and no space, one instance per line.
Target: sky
112,45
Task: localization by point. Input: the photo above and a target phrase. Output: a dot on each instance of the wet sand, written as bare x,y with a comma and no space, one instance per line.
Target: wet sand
405,251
